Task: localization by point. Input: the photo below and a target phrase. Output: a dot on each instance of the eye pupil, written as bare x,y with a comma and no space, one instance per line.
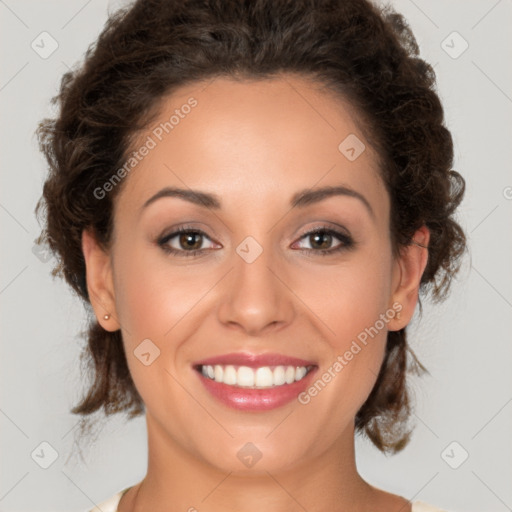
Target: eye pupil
185,238
324,236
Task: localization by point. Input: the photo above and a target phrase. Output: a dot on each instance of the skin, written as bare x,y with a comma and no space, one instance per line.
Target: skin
254,144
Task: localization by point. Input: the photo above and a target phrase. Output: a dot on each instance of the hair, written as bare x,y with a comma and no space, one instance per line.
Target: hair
363,53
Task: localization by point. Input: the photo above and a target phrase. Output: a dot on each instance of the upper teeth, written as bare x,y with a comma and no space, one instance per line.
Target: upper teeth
262,377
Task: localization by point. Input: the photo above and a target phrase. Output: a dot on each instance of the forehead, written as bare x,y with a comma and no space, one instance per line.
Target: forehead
254,143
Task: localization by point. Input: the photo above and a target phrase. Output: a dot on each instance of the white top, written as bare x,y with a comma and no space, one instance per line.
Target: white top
111,504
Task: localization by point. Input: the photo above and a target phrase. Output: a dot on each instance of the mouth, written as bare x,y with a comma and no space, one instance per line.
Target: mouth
262,377
255,382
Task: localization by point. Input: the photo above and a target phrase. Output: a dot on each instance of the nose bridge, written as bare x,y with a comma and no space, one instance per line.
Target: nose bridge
255,297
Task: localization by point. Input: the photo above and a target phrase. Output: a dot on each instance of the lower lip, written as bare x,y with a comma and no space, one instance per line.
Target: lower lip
246,399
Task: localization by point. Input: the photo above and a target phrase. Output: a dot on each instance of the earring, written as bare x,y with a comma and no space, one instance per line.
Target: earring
106,317
398,314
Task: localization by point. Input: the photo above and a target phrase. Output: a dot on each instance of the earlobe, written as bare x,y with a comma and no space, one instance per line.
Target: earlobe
99,281
409,268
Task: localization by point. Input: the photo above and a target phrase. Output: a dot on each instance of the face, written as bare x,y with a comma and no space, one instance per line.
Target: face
267,271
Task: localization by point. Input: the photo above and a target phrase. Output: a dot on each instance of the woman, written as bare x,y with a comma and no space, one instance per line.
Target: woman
250,196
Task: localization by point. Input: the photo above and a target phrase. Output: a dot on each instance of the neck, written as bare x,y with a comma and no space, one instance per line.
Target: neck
177,478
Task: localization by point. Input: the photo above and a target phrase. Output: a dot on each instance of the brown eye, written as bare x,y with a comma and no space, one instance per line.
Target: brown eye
321,241
190,240
184,242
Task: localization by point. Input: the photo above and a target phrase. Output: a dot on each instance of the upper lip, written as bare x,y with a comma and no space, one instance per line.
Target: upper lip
254,360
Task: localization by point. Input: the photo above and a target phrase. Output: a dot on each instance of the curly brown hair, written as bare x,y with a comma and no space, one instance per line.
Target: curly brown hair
364,53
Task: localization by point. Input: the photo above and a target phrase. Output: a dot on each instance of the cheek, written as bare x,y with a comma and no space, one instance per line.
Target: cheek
346,298
351,303
152,295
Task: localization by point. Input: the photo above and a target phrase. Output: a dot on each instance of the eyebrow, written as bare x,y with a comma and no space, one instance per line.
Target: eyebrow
300,199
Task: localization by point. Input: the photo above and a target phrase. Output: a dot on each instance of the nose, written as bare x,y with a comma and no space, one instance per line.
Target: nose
256,298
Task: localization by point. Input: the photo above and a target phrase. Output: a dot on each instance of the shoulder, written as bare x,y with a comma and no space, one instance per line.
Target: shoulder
420,506
109,505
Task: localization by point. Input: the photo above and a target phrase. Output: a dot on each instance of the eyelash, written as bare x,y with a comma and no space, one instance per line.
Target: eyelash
347,242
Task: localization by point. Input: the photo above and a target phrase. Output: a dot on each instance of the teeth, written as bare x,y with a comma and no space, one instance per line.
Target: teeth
229,376
289,375
218,373
279,376
264,377
246,377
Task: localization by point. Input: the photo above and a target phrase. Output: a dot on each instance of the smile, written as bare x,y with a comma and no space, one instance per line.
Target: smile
254,378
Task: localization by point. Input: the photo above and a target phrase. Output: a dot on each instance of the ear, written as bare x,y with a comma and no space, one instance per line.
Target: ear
100,285
407,271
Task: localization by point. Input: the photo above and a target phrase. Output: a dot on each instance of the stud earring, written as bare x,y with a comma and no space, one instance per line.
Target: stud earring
106,317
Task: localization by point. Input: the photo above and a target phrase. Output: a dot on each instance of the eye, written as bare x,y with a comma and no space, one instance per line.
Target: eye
188,242
321,239
184,242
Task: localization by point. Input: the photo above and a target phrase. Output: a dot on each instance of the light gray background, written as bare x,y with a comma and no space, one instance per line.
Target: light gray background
464,342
